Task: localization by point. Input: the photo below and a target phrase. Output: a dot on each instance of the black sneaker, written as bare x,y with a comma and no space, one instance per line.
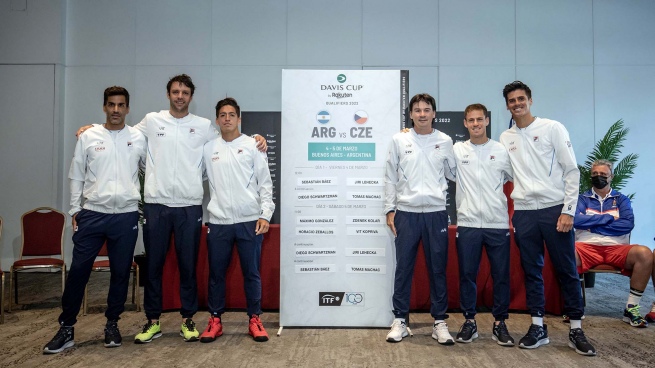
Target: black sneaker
578,341
536,336
113,337
501,335
62,340
468,332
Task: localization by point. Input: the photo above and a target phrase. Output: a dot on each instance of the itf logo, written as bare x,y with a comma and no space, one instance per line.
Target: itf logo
337,299
323,117
341,78
329,299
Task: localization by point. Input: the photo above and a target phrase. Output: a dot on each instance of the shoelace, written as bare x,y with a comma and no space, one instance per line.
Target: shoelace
578,335
212,322
190,325
112,328
147,326
442,326
502,329
258,323
63,332
534,330
635,312
467,327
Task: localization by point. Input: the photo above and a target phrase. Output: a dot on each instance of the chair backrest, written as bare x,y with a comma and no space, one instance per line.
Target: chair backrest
42,232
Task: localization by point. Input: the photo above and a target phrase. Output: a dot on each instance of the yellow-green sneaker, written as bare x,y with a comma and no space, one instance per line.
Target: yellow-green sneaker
150,331
188,330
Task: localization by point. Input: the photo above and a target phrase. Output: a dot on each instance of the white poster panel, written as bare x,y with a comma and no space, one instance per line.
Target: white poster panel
336,256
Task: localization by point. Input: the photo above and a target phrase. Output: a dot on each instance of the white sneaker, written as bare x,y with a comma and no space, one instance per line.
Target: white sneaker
441,334
398,331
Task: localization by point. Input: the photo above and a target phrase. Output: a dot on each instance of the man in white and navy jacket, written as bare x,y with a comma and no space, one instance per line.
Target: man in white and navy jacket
415,204
105,194
603,222
546,181
240,210
482,168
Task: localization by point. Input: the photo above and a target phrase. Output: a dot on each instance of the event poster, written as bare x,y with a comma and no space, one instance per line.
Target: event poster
337,254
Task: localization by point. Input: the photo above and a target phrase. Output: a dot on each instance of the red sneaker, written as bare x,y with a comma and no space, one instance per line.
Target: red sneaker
214,329
650,317
256,329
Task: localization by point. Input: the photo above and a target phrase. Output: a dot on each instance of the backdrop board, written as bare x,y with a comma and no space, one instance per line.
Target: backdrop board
267,124
336,256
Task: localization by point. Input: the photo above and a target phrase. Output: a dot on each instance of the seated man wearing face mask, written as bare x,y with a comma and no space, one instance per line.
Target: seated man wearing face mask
603,222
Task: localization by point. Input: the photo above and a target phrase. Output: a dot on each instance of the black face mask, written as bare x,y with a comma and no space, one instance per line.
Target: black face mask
599,182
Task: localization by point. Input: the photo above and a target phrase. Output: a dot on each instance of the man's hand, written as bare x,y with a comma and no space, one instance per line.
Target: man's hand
262,227
405,130
564,223
74,222
261,143
81,130
390,217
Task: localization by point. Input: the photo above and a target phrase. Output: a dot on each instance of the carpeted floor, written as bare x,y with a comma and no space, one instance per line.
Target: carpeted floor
33,323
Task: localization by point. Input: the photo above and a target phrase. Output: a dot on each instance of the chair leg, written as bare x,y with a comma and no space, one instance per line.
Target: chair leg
11,281
2,301
584,292
85,300
138,289
133,284
63,278
15,274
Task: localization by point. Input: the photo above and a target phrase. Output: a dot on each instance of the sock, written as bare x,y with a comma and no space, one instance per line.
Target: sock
652,309
539,321
576,323
437,321
634,298
401,320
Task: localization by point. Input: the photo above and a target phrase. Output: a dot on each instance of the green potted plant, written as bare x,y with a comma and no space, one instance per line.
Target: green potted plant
609,148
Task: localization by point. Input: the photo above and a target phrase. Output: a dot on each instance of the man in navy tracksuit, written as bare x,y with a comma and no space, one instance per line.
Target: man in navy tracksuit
415,204
603,222
104,205
240,209
482,168
546,181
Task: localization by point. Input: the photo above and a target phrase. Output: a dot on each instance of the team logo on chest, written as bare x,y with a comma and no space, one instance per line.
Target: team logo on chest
192,131
436,146
492,158
215,157
240,151
535,139
129,144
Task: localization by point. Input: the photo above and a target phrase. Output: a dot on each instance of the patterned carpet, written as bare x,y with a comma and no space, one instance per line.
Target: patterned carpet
33,323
